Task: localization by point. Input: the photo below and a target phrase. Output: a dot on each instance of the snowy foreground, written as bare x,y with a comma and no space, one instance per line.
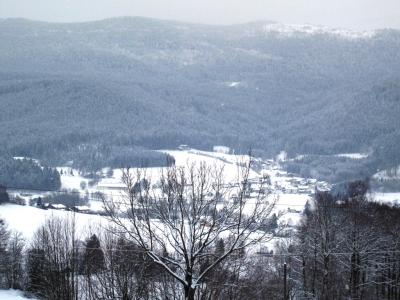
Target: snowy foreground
291,193
12,295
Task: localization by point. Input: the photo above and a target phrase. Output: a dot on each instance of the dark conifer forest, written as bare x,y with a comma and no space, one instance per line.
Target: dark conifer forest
140,83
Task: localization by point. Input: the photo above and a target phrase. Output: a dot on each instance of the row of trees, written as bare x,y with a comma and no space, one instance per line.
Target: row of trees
57,265
11,253
347,247
4,197
28,174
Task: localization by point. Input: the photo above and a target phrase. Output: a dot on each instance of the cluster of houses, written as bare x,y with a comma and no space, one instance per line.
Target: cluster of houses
77,208
39,203
279,181
271,179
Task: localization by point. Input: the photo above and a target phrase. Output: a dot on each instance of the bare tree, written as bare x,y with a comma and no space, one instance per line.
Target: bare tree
178,221
126,273
318,242
4,240
52,260
348,248
15,274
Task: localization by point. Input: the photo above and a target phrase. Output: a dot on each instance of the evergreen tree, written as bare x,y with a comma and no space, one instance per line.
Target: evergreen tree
94,256
3,195
220,247
36,269
273,222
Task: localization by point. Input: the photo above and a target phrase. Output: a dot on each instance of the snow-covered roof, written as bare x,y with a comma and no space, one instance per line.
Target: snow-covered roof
58,206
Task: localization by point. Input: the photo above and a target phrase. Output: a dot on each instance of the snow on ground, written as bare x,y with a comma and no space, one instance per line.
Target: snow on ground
70,178
113,186
12,295
96,205
388,174
290,219
23,158
233,83
229,162
291,192
389,198
292,201
27,219
353,155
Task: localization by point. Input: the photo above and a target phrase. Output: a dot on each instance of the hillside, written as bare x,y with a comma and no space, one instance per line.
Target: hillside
135,82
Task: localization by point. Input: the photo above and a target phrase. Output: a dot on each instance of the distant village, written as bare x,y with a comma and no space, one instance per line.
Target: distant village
272,179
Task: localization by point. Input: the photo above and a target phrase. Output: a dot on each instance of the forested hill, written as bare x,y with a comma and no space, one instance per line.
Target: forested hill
156,84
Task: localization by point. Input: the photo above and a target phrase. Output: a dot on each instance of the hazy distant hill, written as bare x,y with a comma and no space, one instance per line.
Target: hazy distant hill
157,84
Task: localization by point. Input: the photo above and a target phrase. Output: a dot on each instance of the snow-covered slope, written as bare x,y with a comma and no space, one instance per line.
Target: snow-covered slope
290,30
290,192
388,174
27,219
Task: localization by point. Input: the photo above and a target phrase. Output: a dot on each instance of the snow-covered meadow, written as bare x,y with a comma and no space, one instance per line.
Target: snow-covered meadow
27,219
289,192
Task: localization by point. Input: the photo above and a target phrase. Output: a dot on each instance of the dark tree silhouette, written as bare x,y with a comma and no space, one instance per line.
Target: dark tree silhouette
94,256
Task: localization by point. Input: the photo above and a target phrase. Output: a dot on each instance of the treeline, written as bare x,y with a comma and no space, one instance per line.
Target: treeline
86,153
331,168
347,247
106,265
69,199
27,174
336,169
93,157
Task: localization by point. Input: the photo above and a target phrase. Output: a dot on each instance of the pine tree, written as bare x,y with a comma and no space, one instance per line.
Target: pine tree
273,222
220,247
94,256
36,268
3,195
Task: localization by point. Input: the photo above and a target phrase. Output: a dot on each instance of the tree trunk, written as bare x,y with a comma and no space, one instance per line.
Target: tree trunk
325,279
189,293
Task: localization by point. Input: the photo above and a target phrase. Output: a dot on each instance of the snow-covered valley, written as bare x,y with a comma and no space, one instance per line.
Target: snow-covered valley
290,192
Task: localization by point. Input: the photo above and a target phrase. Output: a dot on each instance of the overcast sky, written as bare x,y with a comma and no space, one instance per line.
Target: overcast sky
355,14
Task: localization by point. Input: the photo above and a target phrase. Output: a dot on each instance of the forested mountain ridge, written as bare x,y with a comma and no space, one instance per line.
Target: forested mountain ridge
156,84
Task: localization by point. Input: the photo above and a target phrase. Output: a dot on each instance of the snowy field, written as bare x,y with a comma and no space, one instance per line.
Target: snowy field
389,198
290,192
27,219
12,295
229,162
289,205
